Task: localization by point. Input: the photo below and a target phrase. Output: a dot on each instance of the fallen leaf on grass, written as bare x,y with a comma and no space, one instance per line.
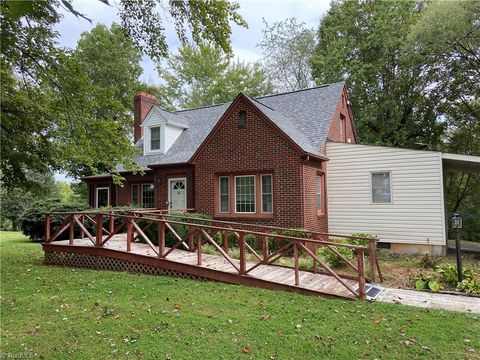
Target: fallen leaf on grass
246,350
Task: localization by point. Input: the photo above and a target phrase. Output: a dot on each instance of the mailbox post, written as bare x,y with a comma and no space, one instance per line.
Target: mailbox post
457,225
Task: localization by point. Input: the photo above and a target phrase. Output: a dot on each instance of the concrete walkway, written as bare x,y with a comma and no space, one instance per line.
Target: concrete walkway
429,300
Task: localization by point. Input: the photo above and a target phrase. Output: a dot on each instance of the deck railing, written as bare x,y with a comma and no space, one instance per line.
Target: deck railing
100,227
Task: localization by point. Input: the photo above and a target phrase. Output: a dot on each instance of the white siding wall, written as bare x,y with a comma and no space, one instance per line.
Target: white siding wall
171,135
416,214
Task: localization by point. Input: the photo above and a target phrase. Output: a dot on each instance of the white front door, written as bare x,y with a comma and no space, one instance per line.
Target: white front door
177,193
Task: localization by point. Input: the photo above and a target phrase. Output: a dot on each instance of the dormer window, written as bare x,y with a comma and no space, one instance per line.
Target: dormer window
155,138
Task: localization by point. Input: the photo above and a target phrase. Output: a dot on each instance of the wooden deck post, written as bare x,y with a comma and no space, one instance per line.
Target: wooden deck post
72,229
129,234
295,263
82,220
372,252
241,246
111,222
99,229
315,265
199,248
48,219
361,274
161,239
225,241
265,248
191,241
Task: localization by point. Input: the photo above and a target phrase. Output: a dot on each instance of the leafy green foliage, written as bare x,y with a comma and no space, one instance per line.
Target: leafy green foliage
287,48
448,276
208,22
333,259
204,75
32,221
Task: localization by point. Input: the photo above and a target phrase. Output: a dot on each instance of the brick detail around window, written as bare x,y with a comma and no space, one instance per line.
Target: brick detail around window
312,220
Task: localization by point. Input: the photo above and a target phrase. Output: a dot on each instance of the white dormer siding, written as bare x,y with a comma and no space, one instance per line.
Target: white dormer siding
169,132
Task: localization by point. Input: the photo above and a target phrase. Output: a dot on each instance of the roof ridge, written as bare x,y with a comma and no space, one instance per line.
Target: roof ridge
299,90
262,103
201,107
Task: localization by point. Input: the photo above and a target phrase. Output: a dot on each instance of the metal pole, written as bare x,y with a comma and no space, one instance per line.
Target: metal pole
459,255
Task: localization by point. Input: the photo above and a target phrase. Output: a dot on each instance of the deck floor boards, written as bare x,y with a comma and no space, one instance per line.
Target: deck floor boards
321,283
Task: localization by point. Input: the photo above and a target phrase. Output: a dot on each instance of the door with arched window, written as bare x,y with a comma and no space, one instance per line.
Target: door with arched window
177,193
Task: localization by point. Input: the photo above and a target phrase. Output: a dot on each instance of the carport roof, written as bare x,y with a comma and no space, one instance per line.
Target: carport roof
468,163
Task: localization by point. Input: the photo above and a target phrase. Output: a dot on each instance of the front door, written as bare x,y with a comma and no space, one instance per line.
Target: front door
177,193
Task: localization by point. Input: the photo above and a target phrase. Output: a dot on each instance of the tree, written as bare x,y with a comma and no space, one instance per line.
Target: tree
16,200
361,43
55,109
287,50
204,75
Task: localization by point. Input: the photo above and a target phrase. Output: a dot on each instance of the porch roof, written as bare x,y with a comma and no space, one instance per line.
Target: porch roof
468,163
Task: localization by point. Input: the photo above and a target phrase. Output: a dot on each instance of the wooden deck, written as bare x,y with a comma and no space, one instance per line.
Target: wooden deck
213,267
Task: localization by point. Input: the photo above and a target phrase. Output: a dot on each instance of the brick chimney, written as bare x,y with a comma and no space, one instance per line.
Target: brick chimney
142,103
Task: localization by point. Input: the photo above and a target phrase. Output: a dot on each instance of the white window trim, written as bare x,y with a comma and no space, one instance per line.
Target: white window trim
147,137
220,195
254,192
96,195
170,180
141,193
261,193
371,187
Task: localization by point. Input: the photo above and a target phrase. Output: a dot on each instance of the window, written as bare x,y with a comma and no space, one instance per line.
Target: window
319,192
148,196
224,194
134,194
267,195
381,188
249,195
103,195
343,128
242,119
155,138
245,194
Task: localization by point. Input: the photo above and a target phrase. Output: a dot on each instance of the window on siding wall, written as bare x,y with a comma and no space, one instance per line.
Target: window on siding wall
320,195
267,194
224,194
155,138
245,194
134,194
148,196
381,187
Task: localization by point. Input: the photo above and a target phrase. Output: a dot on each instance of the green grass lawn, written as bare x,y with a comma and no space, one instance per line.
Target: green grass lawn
65,313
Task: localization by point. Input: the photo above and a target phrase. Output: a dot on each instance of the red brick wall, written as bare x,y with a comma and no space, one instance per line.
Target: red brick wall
161,184
257,147
334,129
313,221
124,192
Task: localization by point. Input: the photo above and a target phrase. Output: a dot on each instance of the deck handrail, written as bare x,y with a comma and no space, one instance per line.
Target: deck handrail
202,231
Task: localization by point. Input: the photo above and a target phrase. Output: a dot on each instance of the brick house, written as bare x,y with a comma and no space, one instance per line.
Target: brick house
256,160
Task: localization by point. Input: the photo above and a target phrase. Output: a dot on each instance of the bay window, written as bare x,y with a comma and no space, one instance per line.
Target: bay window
245,195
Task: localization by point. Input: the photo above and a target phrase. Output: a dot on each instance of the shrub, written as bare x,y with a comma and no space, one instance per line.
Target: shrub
333,259
32,223
429,262
181,230
275,244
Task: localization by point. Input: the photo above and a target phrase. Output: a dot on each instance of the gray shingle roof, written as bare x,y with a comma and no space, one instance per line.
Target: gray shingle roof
303,115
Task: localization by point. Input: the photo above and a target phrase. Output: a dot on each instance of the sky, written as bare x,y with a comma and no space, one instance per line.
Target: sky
244,41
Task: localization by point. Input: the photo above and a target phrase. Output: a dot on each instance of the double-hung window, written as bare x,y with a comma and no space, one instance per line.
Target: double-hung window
320,194
155,138
148,196
249,194
381,187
